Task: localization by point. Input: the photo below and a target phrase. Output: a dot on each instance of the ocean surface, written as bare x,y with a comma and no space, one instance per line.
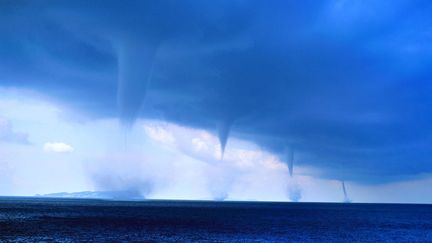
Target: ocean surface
45,219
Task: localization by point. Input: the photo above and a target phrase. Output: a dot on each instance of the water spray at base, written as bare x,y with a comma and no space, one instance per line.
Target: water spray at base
294,191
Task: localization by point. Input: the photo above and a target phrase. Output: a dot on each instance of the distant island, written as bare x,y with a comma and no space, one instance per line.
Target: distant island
112,195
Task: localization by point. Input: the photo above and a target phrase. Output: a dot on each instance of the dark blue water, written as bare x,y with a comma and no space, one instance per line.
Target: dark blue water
32,219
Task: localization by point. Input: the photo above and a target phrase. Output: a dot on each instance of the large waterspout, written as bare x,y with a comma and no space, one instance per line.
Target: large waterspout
135,67
294,190
346,198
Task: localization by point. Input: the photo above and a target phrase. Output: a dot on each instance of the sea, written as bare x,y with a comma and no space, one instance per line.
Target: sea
86,220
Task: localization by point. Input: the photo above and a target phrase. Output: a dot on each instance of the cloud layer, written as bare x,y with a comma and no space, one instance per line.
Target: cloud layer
345,83
163,160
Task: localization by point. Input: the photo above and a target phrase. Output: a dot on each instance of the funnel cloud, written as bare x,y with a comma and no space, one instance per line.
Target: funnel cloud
135,68
346,198
224,129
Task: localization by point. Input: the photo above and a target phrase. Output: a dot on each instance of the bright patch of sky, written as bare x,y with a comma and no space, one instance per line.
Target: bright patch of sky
159,160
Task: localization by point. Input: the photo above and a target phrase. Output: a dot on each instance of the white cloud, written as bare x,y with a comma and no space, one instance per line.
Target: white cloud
58,148
204,146
158,133
245,173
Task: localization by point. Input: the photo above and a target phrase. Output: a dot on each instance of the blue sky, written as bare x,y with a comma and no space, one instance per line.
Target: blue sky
144,96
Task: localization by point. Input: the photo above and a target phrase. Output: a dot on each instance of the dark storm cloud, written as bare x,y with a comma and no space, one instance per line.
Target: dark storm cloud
347,83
